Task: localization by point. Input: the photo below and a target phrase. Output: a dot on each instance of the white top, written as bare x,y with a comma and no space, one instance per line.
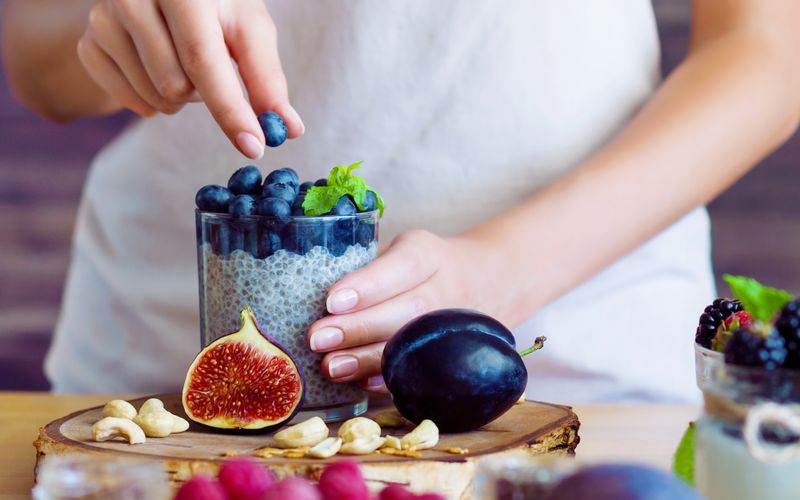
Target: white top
460,110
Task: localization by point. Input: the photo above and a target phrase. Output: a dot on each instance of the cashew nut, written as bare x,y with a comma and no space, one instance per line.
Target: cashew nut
156,423
362,446
391,418
153,419
327,448
308,433
521,399
116,427
120,409
393,443
359,428
423,437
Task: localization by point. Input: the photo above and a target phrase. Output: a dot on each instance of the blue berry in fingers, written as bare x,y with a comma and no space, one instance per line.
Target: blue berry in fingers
246,180
213,198
280,190
243,204
274,128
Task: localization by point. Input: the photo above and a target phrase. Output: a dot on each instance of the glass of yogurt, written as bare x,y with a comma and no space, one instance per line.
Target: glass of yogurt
282,269
747,444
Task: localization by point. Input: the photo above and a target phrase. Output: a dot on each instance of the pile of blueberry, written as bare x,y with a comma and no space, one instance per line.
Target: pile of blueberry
279,200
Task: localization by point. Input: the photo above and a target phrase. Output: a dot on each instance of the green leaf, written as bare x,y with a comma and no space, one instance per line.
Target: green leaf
683,460
762,302
320,200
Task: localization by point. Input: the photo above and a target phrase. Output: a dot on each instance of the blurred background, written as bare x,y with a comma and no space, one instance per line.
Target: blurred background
756,224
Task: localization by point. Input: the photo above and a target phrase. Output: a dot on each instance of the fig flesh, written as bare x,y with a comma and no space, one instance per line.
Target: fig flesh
244,380
456,367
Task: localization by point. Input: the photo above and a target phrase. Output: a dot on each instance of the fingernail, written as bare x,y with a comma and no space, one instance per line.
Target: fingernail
326,338
375,381
342,300
250,145
342,366
296,116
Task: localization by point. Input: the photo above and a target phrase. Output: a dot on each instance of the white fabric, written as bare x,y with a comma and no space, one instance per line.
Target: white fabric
460,109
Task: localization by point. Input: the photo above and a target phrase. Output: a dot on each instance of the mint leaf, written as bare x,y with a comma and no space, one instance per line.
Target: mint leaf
379,203
762,302
683,460
320,200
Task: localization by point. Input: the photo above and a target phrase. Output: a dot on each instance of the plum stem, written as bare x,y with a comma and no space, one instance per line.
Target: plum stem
538,343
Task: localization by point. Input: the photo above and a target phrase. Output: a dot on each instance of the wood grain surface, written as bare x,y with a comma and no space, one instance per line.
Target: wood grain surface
638,433
538,428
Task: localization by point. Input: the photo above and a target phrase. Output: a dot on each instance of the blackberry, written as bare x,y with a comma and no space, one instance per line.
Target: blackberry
788,326
712,317
754,347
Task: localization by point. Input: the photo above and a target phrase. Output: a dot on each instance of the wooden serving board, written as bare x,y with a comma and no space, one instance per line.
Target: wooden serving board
538,428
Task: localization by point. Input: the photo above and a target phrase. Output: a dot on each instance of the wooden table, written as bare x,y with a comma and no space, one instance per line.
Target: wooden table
641,433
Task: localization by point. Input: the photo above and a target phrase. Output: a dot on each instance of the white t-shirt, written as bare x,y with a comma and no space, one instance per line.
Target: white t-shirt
460,111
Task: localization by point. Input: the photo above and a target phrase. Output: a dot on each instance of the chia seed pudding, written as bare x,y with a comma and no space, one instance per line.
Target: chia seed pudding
286,288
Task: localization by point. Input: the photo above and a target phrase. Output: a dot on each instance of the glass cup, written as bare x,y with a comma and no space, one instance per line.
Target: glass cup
88,477
520,475
705,362
747,443
282,270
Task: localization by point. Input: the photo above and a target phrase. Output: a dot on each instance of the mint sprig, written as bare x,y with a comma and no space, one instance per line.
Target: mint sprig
761,302
320,200
683,460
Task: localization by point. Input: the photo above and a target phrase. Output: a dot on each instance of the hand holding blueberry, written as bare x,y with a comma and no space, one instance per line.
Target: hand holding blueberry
154,56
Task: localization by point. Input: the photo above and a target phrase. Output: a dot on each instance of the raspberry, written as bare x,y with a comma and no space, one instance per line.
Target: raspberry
244,479
788,326
294,488
762,348
201,488
343,481
395,492
712,318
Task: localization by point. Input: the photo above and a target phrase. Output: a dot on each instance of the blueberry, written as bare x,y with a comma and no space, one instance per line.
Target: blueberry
343,207
246,180
370,202
283,176
269,242
213,198
344,235
321,182
243,204
304,187
274,128
365,233
279,190
297,208
298,238
274,207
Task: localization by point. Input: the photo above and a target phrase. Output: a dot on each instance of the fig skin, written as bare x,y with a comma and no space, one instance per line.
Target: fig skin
250,334
456,367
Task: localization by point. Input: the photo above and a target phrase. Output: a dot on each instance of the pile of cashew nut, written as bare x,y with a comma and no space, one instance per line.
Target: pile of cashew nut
122,421
357,436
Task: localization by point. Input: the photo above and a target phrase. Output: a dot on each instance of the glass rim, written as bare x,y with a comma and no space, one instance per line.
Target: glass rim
371,214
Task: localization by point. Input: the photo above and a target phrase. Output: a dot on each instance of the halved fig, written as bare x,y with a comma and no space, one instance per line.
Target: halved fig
244,380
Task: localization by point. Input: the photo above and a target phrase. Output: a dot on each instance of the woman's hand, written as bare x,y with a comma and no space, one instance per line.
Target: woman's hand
154,56
419,272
